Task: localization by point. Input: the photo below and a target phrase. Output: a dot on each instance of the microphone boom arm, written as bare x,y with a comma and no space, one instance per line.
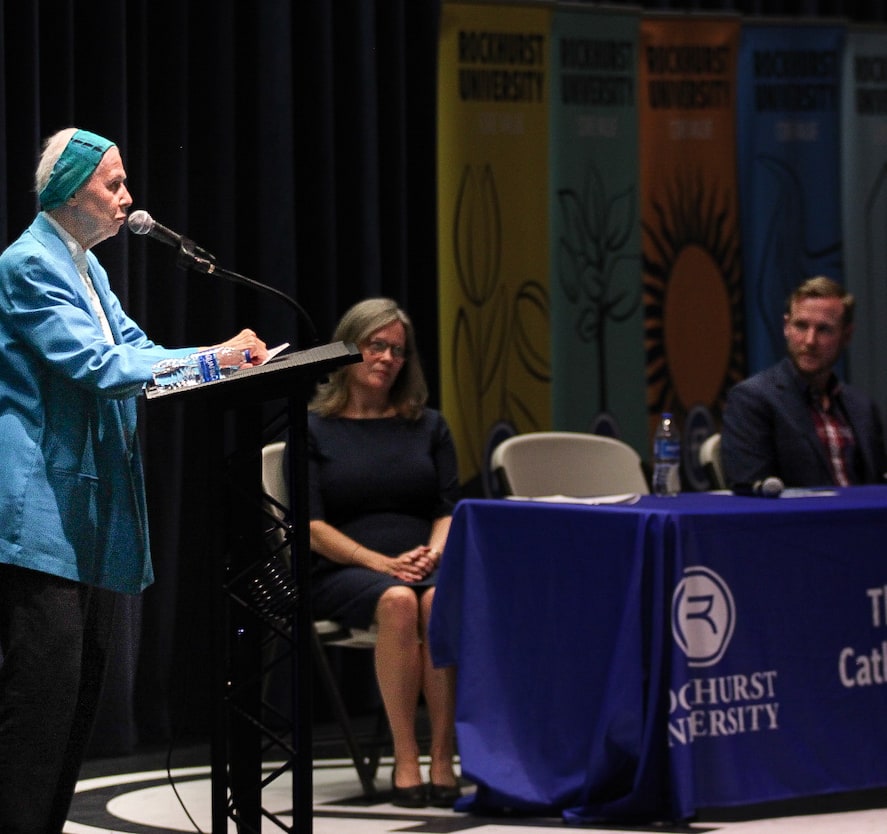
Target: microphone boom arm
192,257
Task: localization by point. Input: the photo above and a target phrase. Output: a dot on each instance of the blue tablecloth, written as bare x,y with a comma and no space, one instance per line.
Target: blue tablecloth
643,661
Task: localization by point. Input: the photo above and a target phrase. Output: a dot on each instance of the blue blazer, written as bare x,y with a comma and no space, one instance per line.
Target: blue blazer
768,430
72,498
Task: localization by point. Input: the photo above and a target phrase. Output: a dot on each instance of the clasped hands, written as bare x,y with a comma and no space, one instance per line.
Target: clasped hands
414,565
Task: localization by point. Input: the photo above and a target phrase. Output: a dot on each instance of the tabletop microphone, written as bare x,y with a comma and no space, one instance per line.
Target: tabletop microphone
769,487
141,223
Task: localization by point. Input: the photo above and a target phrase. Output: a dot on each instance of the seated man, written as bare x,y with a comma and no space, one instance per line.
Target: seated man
795,420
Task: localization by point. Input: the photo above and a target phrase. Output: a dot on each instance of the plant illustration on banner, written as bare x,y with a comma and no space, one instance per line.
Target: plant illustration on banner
600,280
495,323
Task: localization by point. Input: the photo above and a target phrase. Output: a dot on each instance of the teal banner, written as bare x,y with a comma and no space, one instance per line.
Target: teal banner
864,178
788,130
596,302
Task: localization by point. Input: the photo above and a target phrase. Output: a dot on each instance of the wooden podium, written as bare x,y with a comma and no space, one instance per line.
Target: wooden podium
241,733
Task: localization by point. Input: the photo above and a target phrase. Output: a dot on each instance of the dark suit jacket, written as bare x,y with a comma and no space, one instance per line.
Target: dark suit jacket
768,430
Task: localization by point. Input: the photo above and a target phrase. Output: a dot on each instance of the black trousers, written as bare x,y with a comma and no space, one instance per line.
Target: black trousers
54,636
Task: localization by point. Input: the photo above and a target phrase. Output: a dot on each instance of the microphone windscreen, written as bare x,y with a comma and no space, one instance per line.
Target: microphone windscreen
772,486
769,487
140,222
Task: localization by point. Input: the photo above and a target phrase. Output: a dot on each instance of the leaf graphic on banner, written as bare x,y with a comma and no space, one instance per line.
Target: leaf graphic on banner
494,333
477,232
593,272
530,318
481,331
575,266
496,346
621,215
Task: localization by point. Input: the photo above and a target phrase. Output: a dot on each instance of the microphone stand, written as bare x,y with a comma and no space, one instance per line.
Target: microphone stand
193,257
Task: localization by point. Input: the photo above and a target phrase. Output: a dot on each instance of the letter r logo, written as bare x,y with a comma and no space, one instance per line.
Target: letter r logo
703,616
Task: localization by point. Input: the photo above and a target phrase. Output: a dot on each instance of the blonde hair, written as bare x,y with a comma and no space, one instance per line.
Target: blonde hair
408,394
823,287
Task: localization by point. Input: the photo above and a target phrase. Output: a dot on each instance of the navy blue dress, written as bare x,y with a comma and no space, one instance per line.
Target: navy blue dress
382,482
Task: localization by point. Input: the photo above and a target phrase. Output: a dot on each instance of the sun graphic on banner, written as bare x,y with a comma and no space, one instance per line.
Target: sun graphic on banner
693,307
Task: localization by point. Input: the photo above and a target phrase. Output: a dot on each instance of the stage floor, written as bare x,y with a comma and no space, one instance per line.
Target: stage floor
136,795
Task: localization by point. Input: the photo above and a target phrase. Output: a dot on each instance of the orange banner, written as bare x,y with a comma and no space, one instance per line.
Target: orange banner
693,309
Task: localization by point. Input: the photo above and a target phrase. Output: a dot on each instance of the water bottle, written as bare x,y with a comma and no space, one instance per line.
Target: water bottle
197,368
666,457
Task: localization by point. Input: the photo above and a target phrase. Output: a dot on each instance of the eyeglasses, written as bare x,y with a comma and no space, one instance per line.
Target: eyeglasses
377,347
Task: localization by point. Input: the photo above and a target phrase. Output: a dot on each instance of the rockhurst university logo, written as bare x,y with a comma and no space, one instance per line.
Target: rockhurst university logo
703,620
703,616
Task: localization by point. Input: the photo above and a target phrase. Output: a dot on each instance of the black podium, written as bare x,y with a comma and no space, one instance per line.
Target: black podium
242,733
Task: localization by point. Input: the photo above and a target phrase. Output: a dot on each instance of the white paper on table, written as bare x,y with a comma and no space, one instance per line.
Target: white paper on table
622,498
788,492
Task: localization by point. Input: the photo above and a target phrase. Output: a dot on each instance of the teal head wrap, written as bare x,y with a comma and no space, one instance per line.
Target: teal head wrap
79,159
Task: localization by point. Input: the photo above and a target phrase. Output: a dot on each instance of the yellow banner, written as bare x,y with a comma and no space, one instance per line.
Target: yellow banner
493,225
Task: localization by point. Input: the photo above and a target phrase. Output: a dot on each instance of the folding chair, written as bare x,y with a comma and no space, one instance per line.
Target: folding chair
325,633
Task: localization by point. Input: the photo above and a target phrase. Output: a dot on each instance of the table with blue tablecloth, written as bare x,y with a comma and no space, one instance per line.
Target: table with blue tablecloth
643,661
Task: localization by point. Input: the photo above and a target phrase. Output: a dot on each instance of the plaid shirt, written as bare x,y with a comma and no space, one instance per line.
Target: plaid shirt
835,434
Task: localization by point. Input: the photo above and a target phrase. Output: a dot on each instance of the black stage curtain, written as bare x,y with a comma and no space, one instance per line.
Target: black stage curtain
295,141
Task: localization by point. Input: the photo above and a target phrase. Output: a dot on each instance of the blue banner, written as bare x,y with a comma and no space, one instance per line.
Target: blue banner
788,129
864,177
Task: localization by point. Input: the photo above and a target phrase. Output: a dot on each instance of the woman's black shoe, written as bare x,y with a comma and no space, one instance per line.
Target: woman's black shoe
443,796
412,797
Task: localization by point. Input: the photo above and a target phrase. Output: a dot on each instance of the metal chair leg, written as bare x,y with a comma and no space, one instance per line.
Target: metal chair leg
365,764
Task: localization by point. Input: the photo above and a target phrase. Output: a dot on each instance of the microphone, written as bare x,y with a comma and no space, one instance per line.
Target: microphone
769,487
141,223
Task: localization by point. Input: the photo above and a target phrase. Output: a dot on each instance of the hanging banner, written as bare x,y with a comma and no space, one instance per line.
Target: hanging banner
493,226
864,179
789,170
693,328
596,310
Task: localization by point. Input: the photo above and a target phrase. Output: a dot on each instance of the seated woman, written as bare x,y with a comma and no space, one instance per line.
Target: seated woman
383,484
